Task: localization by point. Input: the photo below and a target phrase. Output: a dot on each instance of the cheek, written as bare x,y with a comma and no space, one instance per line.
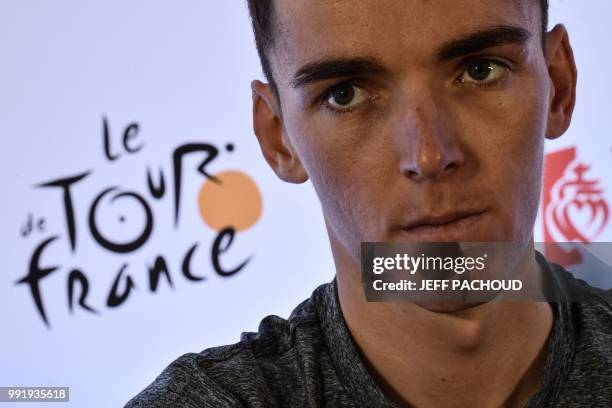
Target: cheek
511,153
348,171
334,153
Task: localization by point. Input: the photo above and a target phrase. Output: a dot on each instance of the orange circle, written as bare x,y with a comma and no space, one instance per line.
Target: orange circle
234,201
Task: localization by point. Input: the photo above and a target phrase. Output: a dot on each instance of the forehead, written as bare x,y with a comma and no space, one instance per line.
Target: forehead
385,29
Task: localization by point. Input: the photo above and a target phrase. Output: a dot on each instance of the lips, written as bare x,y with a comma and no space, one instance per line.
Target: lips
444,224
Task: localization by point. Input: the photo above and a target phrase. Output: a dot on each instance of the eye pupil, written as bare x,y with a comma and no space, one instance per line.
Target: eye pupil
343,95
480,71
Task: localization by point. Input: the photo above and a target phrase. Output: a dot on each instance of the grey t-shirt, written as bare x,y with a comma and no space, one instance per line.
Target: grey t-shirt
310,359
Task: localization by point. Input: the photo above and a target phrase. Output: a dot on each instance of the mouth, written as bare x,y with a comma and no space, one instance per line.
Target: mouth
443,226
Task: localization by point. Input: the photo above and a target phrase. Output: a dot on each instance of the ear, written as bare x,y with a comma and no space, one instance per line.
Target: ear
563,76
270,131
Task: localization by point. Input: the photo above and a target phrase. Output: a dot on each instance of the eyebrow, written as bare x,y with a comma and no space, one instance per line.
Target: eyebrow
482,39
336,68
358,66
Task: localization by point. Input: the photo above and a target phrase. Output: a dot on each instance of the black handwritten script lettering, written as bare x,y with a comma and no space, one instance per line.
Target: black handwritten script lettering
126,279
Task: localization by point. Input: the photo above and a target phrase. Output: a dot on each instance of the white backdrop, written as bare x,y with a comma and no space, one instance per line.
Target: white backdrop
174,75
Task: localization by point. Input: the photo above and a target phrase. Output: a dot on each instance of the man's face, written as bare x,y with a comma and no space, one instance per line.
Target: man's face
416,120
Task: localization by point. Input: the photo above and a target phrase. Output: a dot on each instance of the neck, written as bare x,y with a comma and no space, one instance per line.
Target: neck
492,354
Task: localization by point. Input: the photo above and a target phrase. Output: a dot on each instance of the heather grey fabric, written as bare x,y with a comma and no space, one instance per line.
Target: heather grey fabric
310,360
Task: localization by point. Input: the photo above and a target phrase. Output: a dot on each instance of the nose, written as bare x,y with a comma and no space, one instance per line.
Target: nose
429,147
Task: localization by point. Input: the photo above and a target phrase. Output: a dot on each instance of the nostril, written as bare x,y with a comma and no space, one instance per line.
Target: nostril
414,175
451,167
421,173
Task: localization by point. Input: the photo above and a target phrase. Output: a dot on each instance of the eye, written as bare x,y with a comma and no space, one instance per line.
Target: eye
345,96
483,72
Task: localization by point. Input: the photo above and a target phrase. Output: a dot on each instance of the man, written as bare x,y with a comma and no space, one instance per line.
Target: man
416,121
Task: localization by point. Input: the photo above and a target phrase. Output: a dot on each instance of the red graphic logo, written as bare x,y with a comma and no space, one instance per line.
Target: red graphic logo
574,206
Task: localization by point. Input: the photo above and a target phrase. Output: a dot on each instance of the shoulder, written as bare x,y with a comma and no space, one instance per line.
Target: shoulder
245,371
595,300
592,306
183,384
591,358
591,318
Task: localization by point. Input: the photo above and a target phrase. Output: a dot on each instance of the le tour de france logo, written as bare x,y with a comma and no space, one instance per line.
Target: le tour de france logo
574,205
228,202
